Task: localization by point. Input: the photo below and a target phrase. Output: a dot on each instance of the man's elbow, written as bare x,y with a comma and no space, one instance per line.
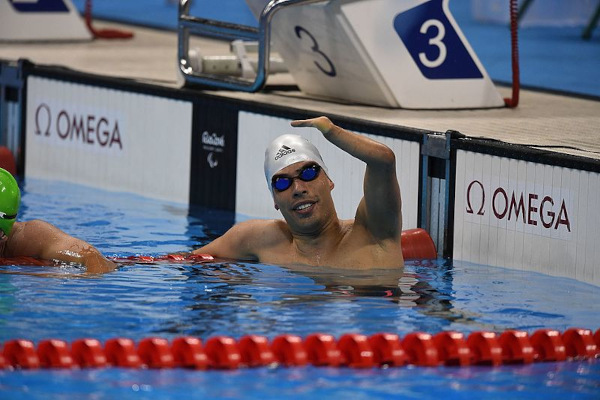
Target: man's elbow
386,156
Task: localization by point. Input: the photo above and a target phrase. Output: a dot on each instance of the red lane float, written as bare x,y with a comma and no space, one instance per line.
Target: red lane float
548,345
26,261
166,259
516,347
322,350
387,350
121,352
189,353
54,353
319,349
20,353
417,245
356,351
289,350
452,349
485,348
579,343
223,353
255,351
88,353
155,352
420,349
7,160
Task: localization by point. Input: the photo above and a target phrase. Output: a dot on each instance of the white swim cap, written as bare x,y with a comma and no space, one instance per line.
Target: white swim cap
287,150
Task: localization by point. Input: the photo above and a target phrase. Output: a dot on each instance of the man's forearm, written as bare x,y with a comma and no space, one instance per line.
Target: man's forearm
82,253
370,151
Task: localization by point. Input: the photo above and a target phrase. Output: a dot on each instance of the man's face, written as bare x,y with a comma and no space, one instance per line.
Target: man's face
305,205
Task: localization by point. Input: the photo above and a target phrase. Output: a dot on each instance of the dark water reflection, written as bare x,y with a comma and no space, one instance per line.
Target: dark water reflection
240,298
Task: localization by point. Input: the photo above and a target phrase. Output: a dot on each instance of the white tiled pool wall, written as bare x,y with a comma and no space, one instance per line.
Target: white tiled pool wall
527,216
507,212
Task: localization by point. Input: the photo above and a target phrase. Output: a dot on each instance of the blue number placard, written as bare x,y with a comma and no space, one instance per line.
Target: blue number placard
39,6
434,44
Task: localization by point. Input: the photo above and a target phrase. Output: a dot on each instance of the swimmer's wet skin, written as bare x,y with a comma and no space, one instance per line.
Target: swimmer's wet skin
38,238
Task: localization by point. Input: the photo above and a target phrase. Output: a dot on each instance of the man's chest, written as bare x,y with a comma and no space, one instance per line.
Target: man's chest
345,255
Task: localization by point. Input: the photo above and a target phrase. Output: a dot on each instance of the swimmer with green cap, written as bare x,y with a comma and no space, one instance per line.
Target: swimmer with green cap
38,238
10,199
311,232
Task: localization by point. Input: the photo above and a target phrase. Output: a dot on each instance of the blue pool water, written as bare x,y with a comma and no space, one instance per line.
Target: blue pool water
235,299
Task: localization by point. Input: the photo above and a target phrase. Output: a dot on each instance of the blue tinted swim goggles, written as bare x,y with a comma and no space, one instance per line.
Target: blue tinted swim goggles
307,174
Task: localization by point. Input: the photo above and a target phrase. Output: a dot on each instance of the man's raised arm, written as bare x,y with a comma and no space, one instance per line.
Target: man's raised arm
380,209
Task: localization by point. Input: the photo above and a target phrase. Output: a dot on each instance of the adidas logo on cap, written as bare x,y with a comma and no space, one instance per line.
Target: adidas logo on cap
283,151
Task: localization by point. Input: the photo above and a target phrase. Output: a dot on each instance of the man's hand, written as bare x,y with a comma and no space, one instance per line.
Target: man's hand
95,263
323,124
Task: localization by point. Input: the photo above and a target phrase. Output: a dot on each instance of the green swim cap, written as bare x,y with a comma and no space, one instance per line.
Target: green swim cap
10,199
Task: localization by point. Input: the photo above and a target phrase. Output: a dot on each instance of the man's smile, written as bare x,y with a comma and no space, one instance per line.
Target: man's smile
304,207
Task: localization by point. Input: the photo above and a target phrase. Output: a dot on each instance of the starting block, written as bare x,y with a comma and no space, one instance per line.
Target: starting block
390,53
41,20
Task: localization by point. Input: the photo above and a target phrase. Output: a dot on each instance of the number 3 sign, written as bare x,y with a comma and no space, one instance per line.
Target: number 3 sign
394,53
434,44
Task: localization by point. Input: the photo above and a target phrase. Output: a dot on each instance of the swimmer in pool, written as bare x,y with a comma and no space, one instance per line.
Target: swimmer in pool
311,232
38,238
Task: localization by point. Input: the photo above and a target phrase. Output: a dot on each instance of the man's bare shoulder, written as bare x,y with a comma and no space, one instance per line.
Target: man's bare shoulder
26,237
32,225
262,229
248,240
29,230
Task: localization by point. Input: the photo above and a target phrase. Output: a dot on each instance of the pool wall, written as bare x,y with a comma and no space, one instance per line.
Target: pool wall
482,201
517,214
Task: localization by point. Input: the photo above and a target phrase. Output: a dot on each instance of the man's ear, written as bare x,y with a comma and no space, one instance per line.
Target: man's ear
331,185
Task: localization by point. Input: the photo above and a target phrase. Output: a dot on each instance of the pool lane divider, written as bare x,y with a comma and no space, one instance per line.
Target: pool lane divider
416,245
352,350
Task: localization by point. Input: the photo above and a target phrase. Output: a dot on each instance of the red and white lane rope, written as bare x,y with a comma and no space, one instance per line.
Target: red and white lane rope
318,349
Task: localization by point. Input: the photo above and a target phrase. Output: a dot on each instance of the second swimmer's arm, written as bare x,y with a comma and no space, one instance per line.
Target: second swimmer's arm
238,243
43,240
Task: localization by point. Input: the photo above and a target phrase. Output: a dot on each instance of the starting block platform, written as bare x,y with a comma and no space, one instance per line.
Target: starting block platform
37,20
405,54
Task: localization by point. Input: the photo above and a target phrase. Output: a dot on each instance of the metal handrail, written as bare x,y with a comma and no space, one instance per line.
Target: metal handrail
206,27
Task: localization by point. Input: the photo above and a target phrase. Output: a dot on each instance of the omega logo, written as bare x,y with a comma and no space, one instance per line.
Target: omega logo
89,129
530,208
